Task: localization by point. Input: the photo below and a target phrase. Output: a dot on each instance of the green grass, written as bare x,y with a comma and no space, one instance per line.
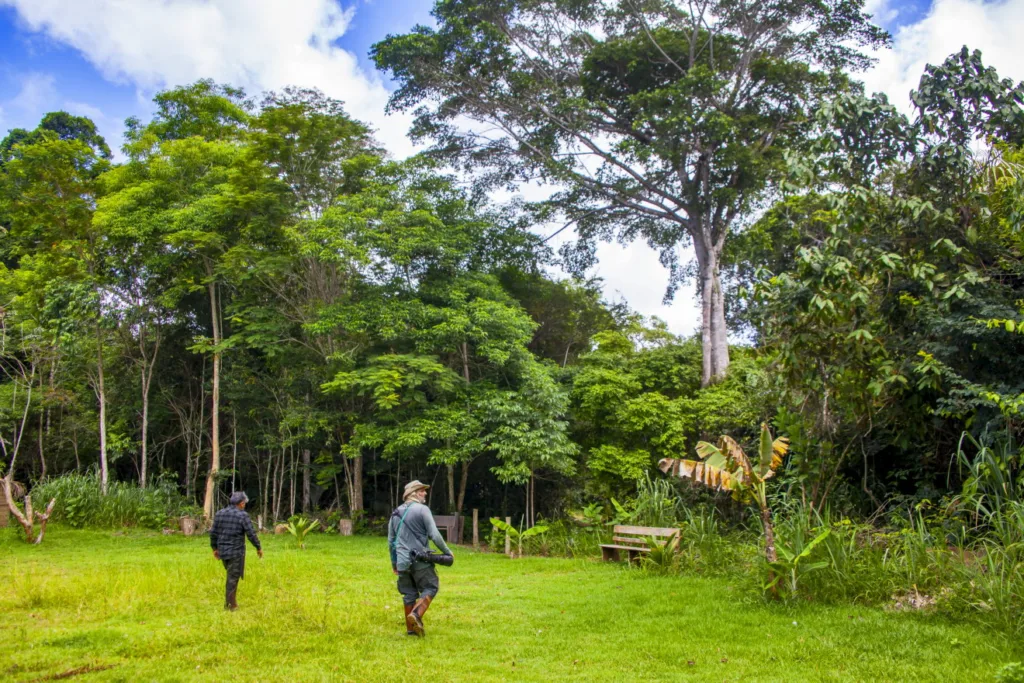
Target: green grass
149,607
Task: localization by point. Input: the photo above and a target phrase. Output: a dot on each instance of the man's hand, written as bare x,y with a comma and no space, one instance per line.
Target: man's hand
394,569
216,554
260,553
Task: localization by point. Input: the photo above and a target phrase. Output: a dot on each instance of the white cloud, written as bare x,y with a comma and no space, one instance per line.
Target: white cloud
36,93
992,27
257,44
83,109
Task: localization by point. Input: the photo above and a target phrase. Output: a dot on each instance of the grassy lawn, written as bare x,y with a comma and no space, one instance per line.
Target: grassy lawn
141,606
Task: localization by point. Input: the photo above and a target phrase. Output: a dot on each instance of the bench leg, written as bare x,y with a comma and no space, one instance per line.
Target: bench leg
634,555
610,554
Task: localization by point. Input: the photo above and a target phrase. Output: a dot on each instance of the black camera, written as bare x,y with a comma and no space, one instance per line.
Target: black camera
434,558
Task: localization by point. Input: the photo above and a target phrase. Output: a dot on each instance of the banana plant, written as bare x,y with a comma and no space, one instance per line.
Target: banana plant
300,527
518,535
726,467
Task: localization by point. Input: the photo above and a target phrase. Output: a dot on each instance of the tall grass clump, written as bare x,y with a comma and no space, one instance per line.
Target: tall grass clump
81,503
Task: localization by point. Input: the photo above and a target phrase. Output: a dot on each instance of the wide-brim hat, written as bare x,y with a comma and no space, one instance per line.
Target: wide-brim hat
414,486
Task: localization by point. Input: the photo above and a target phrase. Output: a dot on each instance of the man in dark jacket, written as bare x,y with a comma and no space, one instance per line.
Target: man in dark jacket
227,538
410,529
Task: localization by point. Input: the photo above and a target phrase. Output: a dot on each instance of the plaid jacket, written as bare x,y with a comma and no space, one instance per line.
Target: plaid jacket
230,527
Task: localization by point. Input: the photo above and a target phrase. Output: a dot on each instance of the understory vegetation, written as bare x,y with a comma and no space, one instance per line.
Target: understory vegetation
256,296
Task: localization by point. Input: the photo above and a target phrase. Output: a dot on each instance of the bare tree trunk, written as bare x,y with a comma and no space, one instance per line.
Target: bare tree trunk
305,480
27,520
266,489
451,487
101,394
147,382
145,434
234,450
42,454
462,487
291,481
280,486
188,468
713,331
211,479
357,483
348,483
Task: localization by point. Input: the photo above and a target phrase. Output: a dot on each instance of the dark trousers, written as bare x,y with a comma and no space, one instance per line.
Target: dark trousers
236,570
418,581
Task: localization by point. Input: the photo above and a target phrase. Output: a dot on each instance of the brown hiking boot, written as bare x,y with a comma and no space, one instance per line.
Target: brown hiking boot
416,615
408,623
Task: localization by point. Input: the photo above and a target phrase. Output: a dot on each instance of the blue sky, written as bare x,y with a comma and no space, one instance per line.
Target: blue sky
107,58
40,72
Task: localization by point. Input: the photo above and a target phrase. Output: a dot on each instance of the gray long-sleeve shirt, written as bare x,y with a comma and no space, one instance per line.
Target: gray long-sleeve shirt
418,528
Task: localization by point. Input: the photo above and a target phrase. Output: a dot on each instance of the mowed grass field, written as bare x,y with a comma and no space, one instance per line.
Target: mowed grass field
139,606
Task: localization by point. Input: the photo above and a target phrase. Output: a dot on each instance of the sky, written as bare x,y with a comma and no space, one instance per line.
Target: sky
107,58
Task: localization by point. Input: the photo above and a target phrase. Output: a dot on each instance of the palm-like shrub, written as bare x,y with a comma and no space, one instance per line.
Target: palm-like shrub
300,527
518,535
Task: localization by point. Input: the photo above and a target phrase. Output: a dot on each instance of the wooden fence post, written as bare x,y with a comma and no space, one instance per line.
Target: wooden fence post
508,539
476,530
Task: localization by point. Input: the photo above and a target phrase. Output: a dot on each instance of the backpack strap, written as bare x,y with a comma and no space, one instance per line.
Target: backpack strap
393,546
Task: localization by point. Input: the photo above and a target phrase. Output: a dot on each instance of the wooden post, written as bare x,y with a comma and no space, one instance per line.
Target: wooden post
508,539
476,530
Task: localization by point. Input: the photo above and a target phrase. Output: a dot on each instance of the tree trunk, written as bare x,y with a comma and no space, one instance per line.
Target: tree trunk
188,468
234,451
462,487
101,394
357,483
278,485
713,331
42,454
145,430
266,489
305,480
211,479
291,482
27,520
451,487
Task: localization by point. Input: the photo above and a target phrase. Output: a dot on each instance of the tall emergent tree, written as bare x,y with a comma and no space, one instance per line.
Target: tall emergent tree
658,119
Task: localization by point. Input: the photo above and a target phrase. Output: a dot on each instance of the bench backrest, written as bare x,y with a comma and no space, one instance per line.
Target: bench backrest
452,524
640,535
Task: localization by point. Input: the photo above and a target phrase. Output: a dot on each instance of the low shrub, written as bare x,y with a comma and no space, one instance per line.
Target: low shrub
80,502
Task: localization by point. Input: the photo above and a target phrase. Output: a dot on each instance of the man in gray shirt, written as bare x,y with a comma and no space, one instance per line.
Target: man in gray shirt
410,528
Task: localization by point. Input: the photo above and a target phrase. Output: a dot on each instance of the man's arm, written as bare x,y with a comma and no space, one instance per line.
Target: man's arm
250,531
434,534
213,535
392,543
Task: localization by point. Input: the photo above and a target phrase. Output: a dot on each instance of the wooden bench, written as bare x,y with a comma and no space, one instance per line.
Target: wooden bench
635,540
452,526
